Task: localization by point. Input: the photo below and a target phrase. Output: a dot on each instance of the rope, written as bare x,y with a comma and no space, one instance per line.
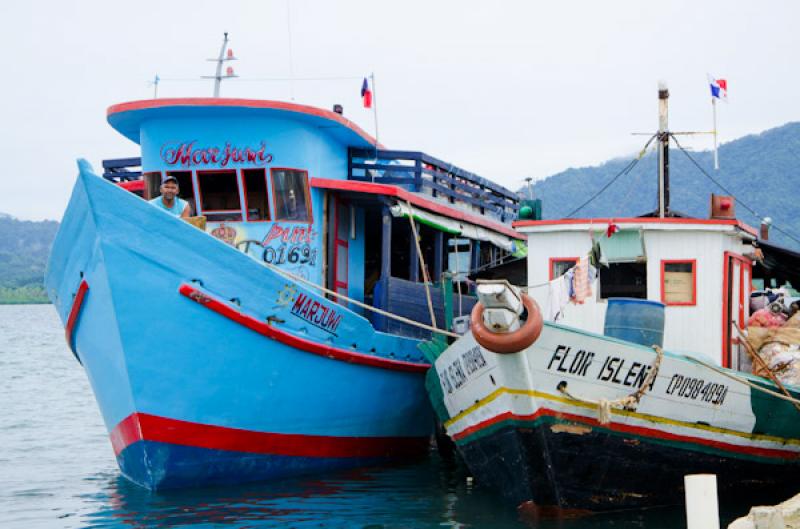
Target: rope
627,169
741,380
718,184
760,361
306,282
531,287
458,288
458,283
425,278
628,402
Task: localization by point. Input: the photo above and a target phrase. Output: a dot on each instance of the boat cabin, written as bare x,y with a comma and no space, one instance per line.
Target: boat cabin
700,269
307,190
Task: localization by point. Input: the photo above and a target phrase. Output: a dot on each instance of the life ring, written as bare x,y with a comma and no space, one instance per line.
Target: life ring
509,342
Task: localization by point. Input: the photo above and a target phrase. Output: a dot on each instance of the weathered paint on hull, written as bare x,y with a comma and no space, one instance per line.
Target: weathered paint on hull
535,445
560,463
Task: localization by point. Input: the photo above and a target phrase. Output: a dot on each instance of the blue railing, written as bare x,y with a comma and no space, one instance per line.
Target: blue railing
422,173
119,169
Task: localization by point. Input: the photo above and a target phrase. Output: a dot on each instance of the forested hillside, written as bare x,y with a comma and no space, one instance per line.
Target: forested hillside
24,246
761,170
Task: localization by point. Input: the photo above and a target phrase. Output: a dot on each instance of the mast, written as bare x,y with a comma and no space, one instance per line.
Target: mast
218,76
663,150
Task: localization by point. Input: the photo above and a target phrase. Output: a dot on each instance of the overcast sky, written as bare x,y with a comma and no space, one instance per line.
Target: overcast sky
503,89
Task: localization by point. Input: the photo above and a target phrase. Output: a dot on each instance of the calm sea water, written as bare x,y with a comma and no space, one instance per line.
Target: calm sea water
57,468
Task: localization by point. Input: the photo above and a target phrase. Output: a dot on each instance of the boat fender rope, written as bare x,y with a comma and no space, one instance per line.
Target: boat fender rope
628,402
508,342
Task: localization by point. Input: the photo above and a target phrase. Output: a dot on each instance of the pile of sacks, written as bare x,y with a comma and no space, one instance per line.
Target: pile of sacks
776,338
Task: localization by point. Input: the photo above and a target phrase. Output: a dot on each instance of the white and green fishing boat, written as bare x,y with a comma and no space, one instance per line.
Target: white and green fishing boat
610,406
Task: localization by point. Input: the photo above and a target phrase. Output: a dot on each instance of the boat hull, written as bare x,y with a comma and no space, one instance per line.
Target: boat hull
209,367
546,449
598,470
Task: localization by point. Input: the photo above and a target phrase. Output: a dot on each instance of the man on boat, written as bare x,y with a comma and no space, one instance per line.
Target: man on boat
169,200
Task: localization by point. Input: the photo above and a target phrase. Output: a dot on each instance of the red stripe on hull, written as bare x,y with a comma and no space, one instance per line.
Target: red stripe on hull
74,313
295,341
145,427
635,430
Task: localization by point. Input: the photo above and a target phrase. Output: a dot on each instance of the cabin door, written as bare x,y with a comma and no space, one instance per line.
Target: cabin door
736,308
341,237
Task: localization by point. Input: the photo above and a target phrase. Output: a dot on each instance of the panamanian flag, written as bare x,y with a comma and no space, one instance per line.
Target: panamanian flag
719,88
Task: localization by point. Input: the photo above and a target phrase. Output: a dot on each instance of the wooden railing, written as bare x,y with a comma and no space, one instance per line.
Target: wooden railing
422,173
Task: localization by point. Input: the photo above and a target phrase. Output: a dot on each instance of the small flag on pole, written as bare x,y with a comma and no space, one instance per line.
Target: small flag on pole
366,94
719,88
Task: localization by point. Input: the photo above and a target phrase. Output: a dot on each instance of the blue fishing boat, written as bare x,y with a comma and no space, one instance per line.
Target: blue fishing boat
268,342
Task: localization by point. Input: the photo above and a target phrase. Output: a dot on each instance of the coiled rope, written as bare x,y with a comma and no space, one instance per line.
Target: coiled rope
628,402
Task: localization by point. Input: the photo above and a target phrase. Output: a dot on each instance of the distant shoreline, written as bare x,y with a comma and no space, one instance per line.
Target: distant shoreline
32,294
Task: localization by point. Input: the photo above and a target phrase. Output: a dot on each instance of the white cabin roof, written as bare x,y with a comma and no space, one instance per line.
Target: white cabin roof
642,223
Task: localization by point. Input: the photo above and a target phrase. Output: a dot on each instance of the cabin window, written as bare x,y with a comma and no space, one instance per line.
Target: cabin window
679,282
560,265
459,252
623,280
290,195
255,194
152,182
219,195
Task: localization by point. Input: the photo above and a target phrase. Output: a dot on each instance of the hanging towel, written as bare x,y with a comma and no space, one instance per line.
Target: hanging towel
559,298
582,286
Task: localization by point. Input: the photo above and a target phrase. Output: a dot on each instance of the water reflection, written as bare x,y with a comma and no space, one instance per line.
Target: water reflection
422,495
57,468
429,494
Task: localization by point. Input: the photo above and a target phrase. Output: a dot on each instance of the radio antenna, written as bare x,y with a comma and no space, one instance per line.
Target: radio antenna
223,58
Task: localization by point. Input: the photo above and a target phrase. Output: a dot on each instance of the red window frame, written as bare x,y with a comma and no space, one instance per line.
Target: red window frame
692,303
266,190
307,193
554,260
744,297
200,195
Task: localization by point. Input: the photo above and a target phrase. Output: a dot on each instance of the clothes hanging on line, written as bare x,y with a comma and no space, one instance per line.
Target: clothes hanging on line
581,284
558,298
569,275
